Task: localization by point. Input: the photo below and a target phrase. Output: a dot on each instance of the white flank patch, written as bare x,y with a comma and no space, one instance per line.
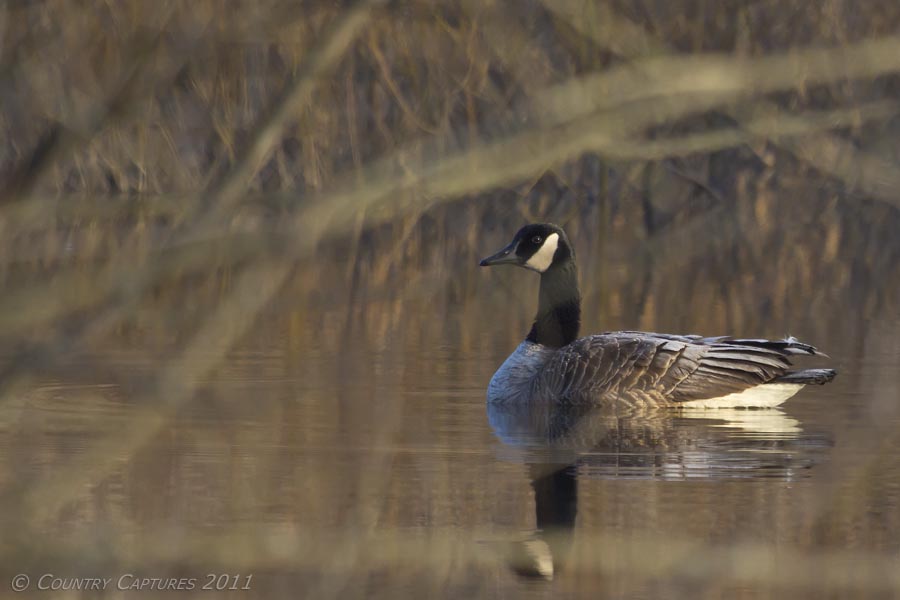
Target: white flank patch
543,258
761,396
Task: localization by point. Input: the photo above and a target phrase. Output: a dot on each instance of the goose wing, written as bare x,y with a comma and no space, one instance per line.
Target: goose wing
656,367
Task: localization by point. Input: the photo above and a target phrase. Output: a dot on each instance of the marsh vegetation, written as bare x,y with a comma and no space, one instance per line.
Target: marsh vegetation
243,330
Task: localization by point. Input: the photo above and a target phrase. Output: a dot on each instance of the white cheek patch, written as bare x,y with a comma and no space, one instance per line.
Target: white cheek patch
542,259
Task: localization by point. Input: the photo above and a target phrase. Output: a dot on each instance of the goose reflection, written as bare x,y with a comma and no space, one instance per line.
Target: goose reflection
561,443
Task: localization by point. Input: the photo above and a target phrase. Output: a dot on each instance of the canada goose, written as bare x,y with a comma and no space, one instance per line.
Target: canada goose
631,368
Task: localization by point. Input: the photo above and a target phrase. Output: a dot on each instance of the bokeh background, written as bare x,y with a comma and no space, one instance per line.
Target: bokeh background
242,328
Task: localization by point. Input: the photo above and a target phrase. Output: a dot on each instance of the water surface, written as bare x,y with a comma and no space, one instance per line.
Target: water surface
344,448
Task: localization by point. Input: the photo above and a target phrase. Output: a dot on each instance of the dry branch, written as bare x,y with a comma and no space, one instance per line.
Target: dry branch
830,154
787,130
269,131
255,287
385,190
175,385
123,97
644,555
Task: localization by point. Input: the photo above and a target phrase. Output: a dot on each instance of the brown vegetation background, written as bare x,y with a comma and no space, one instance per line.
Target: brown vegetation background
187,182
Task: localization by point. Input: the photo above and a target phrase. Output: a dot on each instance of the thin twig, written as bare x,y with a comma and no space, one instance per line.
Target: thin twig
255,287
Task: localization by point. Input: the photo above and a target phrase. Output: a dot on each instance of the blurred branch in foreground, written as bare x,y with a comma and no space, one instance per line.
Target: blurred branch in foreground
421,174
418,175
637,554
224,327
830,154
719,74
140,74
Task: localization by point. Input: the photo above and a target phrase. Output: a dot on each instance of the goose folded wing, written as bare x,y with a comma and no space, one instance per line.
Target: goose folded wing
659,366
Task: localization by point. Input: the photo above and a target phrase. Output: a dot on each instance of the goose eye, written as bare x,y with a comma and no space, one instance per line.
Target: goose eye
536,240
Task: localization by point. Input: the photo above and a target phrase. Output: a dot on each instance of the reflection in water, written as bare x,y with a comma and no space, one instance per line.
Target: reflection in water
357,409
555,507
561,442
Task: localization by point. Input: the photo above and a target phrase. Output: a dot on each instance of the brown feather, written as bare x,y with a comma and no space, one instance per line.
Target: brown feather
658,367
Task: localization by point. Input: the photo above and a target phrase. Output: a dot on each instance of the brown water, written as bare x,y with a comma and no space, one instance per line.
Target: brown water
344,449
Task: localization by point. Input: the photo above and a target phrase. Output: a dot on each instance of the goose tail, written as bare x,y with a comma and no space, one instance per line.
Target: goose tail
788,346
807,376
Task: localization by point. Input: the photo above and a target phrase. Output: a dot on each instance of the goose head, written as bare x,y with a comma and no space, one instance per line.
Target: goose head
538,247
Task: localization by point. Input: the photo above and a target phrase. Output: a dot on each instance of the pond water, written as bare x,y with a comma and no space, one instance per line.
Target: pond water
344,447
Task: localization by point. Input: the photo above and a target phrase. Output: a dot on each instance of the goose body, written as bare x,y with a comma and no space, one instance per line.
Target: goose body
631,368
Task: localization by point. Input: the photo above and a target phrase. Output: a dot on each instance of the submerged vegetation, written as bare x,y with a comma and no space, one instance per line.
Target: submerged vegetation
187,182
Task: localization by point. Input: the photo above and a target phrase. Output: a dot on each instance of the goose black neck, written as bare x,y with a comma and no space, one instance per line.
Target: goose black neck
559,307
